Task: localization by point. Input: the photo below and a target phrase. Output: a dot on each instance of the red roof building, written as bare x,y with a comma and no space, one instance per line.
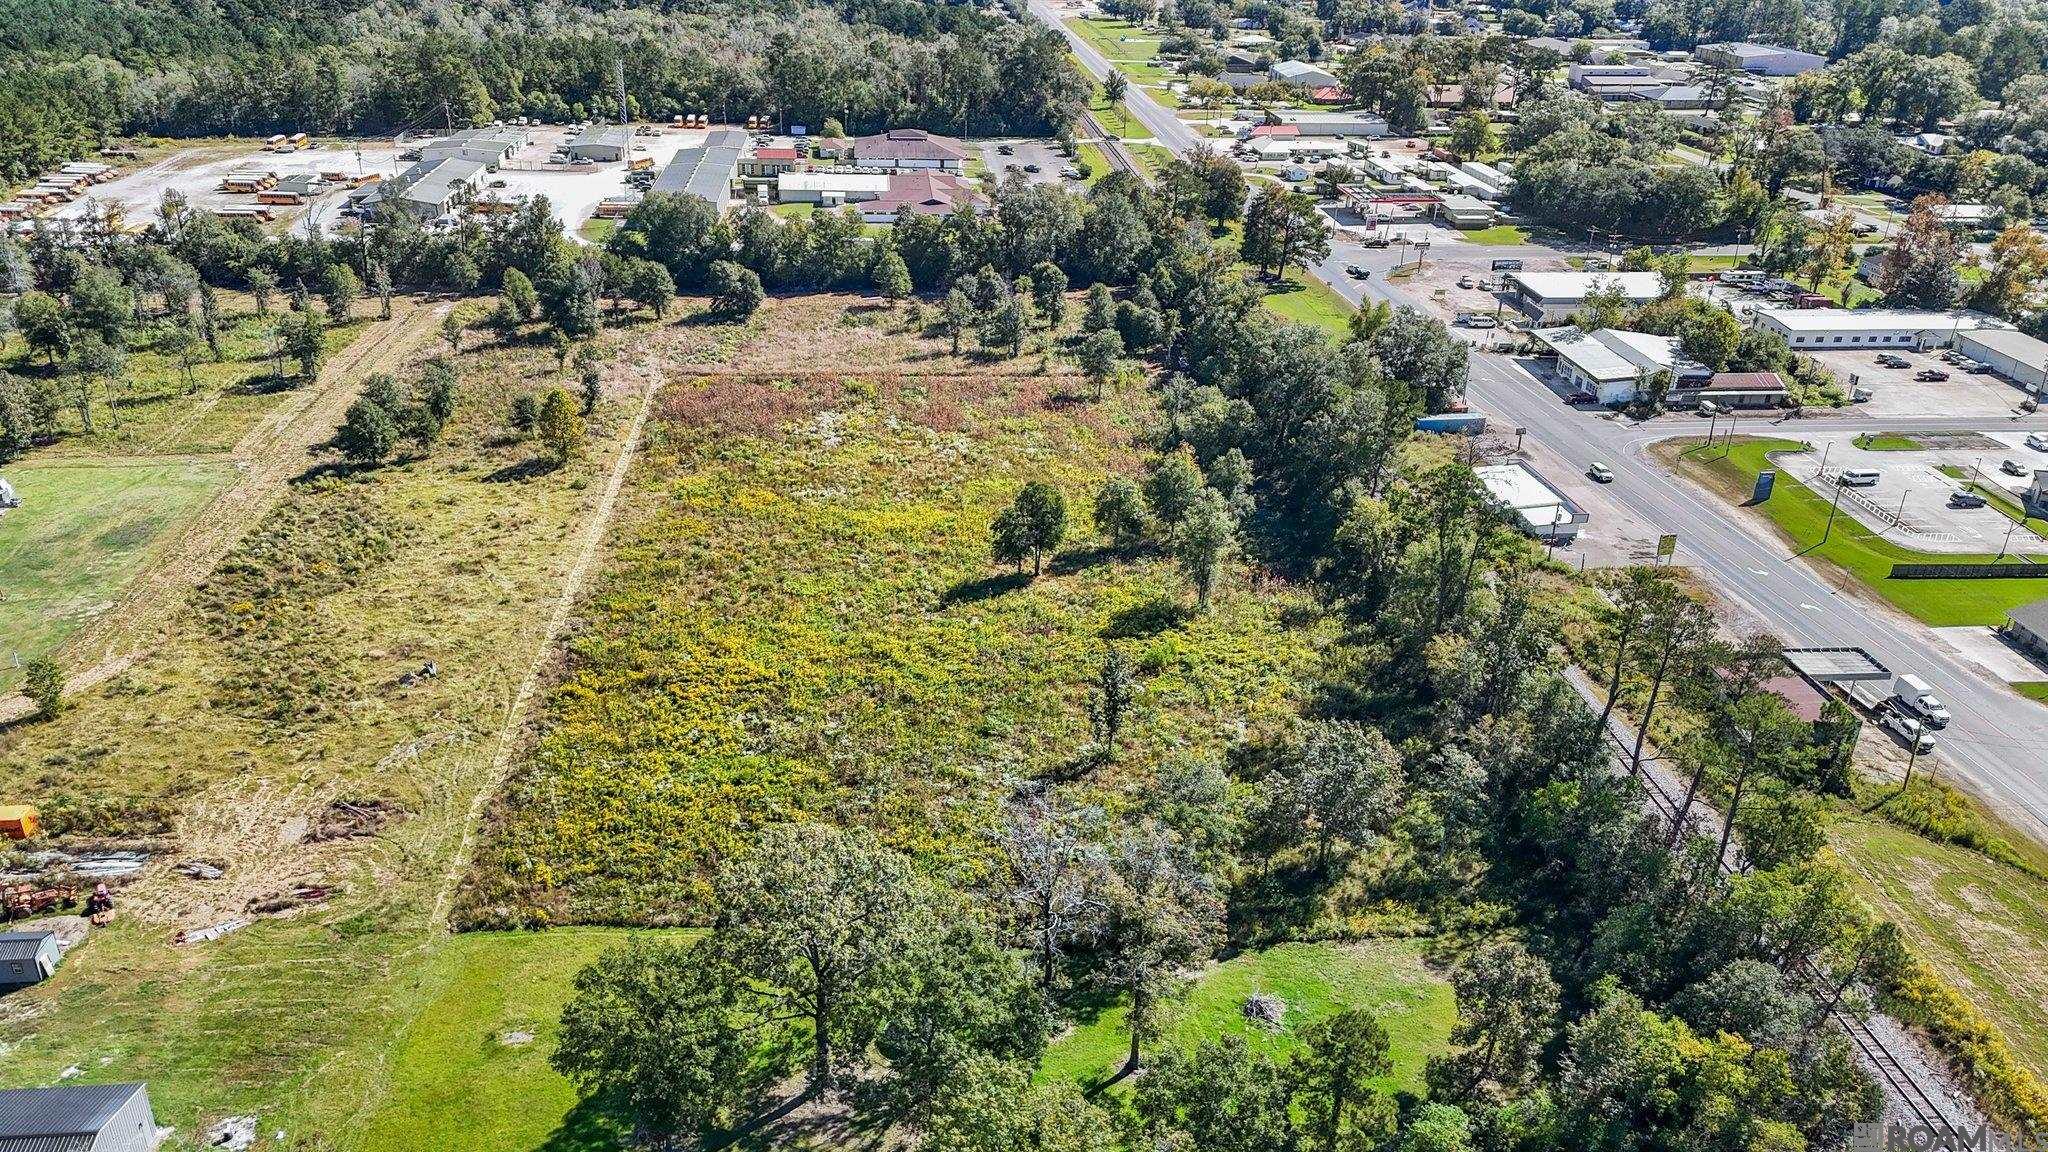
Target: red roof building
1269,130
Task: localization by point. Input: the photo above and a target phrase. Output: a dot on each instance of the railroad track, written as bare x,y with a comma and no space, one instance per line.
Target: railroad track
1908,1092
1113,148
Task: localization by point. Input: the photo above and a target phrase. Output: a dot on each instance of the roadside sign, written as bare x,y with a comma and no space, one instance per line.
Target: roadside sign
799,130
1667,545
1765,480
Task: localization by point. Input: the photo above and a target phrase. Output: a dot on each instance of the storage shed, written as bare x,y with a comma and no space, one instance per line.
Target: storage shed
27,958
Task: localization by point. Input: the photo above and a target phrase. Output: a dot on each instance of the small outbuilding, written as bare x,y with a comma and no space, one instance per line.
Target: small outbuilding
27,958
77,1118
2026,627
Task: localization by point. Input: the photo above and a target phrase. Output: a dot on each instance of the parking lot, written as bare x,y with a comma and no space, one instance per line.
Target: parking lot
1917,474
1024,155
575,191
1895,392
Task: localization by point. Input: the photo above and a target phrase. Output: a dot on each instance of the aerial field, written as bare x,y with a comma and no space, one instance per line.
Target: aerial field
800,620
83,530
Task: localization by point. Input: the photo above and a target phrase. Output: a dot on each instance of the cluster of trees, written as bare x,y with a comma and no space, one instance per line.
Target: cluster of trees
388,414
1582,165
80,72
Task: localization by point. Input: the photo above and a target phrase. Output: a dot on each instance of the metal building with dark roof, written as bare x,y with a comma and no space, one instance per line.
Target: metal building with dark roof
77,1118
27,958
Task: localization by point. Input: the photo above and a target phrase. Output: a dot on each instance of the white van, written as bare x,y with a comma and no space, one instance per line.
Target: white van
1858,477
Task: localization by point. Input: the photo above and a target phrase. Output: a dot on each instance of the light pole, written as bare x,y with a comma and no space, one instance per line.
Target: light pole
2010,529
1829,530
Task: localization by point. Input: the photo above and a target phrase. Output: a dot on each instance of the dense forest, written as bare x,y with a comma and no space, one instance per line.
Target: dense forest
74,72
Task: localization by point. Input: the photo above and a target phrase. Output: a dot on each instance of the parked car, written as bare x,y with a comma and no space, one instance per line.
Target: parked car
1977,368
1355,272
1600,473
1375,242
1071,172
1467,282
1911,731
1964,499
2038,441
1583,396
1930,375
1006,149
1858,477
2012,468
1890,360
1031,167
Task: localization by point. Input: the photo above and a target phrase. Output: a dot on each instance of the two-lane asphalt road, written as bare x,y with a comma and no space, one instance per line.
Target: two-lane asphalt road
1997,742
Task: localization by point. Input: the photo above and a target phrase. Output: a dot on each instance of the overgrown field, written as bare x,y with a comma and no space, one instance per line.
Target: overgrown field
83,530
1981,924
800,620
290,694
172,403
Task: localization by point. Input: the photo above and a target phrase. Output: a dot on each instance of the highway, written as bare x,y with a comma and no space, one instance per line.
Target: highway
1997,743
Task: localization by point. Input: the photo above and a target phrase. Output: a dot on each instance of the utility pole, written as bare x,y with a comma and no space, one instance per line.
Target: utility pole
619,82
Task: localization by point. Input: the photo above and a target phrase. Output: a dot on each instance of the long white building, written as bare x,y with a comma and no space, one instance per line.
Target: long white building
1821,329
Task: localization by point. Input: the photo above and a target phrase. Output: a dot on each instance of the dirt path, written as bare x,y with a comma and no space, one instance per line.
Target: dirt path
267,458
507,739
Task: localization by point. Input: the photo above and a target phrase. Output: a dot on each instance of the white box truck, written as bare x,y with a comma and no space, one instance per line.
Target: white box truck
1917,699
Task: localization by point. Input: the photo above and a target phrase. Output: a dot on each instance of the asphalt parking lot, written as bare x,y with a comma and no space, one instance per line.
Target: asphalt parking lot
1894,391
1910,501
1025,153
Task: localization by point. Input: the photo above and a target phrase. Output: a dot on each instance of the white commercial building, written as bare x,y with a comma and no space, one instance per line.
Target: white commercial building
1759,59
830,187
1296,74
1818,329
2014,355
1538,509
1615,365
1333,123
1555,297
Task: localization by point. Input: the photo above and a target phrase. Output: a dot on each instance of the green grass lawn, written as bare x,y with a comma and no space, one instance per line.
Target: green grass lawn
1095,161
455,1082
82,532
598,229
2033,690
1498,234
1801,514
1313,980
1698,263
1888,442
1981,924
1133,50
1304,299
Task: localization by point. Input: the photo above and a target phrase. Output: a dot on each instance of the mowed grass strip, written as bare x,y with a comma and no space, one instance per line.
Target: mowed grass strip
471,1069
1983,925
1304,299
1801,517
82,533
1313,980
